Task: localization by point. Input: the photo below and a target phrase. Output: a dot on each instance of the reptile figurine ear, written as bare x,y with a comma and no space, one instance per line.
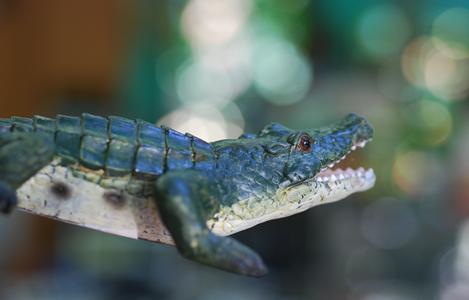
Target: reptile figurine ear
275,129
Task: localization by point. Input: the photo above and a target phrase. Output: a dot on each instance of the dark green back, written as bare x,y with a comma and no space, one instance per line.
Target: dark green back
118,145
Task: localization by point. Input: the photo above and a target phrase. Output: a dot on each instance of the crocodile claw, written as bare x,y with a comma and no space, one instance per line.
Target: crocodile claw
228,254
7,198
247,262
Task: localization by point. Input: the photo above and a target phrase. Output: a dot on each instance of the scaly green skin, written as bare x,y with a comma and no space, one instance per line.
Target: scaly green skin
196,183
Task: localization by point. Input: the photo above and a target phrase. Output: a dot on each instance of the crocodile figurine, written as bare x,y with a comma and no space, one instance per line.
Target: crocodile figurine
202,191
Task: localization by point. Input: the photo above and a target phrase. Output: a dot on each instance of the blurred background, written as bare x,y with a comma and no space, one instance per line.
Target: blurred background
218,68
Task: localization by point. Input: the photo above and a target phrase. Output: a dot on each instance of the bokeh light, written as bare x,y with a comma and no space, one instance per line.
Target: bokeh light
219,68
462,253
205,122
417,173
430,121
436,118
425,65
388,223
451,32
458,291
446,267
446,77
413,59
438,71
234,118
281,74
385,20
212,23
198,84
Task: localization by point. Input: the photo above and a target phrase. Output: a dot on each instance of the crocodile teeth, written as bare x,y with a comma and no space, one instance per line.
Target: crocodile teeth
339,175
369,174
328,175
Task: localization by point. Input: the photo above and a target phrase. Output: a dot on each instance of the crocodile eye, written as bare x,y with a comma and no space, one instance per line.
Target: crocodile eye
305,143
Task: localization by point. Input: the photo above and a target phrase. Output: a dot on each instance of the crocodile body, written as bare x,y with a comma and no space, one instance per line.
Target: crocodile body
203,190
118,146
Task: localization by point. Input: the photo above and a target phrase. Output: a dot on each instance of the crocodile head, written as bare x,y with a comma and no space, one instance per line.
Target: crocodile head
310,176
310,155
292,170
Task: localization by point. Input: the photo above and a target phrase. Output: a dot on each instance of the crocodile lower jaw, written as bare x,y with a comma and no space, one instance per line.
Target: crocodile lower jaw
326,187
330,187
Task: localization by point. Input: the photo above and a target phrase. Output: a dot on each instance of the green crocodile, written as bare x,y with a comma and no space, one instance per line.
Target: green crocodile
203,191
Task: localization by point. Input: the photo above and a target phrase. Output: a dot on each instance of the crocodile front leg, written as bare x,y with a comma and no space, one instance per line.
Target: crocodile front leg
21,156
180,195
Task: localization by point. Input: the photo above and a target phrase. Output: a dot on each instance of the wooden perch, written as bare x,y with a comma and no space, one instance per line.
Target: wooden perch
79,202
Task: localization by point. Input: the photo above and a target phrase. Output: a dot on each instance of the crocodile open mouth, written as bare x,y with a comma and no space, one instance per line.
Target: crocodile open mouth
329,185
334,173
